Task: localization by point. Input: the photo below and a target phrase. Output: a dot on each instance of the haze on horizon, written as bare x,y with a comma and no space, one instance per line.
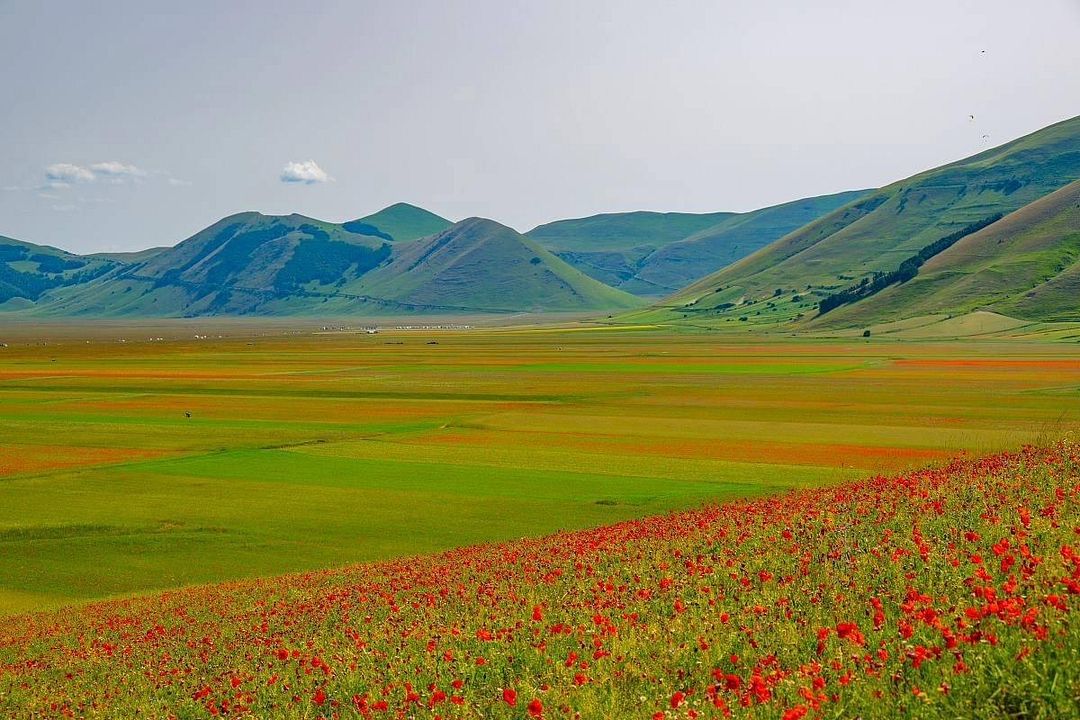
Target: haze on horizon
132,124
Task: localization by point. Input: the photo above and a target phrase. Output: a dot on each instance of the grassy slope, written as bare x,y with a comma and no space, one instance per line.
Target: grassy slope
609,247
405,222
675,266
307,452
1026,265
232,267
623,231
650,253
481,264
939,594
876,233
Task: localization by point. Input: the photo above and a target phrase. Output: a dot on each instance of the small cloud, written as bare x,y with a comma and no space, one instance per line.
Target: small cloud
177,182
64,175
116,171
59,175
307,172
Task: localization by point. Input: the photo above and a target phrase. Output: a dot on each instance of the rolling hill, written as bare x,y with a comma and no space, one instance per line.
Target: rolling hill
1025,266
479,264
287,265
649,253
242,264
785,280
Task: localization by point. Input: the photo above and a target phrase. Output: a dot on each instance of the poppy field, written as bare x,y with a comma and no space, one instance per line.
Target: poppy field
947,592
137,467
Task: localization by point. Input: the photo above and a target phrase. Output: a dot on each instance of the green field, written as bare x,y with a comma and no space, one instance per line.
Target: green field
314,450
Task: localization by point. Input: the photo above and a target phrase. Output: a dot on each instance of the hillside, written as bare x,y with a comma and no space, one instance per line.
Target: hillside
1026,266
944,593
28,271
649,253
678,264
479,264
242,264
785,280
286,265
401,222
611,246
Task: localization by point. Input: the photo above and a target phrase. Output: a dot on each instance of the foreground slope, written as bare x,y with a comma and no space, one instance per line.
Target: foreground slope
876,233
479,264
940,594
650,253
1026,266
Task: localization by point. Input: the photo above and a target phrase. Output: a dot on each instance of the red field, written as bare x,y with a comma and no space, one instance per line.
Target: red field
17,459
942,593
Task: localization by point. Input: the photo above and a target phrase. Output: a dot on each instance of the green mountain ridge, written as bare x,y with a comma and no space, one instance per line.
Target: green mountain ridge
651,253
784,281
255,264
1025,266
931,244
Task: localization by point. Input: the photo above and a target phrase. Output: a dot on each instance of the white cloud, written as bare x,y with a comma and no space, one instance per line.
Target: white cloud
177,182
307,172
66,175
116,171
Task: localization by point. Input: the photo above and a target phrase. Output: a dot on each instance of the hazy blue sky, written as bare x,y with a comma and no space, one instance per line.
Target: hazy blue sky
133,124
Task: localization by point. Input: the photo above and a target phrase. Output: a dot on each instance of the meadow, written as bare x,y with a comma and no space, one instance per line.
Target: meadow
140,466
939,593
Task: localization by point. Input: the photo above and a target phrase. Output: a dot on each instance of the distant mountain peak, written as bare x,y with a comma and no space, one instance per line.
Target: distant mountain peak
400,223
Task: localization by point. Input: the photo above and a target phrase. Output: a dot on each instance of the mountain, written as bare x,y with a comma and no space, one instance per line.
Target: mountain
479,264
1025,266
611,246
676,265
242,264
400,222
874,234
650,253
287,265
28,271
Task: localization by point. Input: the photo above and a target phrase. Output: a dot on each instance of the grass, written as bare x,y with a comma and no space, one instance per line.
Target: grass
1021,266
939,594
314,451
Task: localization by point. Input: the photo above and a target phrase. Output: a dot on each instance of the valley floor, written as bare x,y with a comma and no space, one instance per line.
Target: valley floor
131,467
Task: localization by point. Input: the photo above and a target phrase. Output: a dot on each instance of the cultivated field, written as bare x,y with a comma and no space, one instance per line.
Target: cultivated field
306,451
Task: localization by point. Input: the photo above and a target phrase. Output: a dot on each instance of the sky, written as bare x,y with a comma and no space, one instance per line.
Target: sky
134,124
